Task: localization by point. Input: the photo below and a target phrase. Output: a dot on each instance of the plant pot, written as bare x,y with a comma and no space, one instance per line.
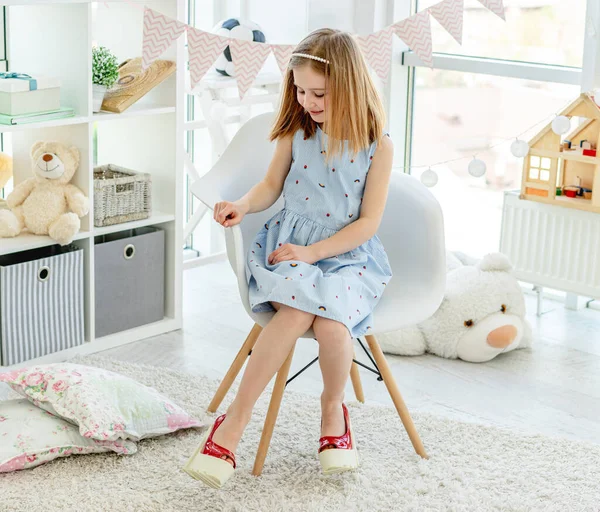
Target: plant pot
98,96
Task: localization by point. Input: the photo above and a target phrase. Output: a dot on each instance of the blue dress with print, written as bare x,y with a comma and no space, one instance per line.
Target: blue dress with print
320,199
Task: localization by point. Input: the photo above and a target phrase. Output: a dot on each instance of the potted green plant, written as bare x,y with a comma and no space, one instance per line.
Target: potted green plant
105,72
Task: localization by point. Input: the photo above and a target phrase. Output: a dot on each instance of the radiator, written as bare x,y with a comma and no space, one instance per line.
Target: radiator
552,246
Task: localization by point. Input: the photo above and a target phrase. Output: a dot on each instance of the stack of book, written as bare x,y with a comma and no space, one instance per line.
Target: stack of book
37,117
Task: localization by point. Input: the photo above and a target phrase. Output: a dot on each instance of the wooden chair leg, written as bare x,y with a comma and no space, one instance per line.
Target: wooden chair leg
235,368
276,397
356,382
394,392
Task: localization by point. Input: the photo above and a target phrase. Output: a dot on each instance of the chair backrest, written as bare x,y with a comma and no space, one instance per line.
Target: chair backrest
412,233
242,165
411,229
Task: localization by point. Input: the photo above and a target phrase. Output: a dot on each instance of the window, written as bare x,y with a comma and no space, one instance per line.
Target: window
547,31
475,104
539,168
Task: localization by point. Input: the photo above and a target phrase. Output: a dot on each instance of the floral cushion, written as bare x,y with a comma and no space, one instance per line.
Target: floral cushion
105,405
30,436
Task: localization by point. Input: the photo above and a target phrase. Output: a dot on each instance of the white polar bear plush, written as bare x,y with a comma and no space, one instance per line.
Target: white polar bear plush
47,204
482,314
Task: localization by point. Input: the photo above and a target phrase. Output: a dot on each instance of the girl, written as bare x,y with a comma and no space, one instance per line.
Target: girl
318,262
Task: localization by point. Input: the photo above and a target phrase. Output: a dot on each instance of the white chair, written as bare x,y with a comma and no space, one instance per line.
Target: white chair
412,233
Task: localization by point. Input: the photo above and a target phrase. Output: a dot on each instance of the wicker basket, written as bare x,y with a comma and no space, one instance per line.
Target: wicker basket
121,195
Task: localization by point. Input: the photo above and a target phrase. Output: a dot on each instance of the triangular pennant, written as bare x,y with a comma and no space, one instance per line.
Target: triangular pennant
204,48
248,57
496,6
159,34
377,49
416,33
283,54
450,14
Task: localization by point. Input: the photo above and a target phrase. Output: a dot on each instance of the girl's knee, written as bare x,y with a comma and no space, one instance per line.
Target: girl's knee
330,331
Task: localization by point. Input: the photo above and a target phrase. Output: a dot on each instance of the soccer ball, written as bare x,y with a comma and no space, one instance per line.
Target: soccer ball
240,29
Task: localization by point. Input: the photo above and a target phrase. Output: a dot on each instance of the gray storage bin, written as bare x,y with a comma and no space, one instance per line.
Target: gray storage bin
41,302
130,279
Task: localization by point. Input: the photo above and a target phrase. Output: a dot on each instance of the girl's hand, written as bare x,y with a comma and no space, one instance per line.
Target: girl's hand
229,214
293,252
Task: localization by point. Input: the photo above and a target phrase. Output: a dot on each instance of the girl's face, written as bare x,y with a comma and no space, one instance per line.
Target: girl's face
310,92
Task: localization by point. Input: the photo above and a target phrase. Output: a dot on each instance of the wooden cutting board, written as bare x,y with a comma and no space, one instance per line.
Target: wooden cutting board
133,83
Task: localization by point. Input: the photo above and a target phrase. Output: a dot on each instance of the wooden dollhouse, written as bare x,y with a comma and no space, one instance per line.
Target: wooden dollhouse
565,170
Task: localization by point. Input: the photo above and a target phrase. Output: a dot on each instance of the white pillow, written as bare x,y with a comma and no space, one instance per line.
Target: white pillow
105,405
30,436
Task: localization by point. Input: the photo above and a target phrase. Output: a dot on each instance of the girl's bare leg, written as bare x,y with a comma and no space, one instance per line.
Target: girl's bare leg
270,351
335,359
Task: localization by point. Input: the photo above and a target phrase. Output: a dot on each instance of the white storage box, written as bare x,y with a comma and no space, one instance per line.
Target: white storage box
26,94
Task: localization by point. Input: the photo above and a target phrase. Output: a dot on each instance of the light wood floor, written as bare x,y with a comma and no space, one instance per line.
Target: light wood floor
553,389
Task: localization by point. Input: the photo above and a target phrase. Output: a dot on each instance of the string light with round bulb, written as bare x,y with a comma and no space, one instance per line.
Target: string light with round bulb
561,125
519,148
477,168
429,178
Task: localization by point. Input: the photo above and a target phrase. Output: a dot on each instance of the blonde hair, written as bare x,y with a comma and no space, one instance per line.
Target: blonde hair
354,110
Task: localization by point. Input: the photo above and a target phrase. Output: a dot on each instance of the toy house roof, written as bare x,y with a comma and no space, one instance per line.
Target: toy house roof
583,106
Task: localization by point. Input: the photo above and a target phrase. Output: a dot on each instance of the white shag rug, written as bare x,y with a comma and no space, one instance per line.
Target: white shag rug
471,467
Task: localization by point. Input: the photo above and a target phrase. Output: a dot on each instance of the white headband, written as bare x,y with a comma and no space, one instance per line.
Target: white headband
320,59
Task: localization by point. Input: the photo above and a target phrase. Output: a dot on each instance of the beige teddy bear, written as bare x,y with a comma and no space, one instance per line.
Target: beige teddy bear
5,169
47,204
5,174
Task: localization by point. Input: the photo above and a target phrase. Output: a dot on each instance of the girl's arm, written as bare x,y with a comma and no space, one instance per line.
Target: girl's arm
266,192
373,205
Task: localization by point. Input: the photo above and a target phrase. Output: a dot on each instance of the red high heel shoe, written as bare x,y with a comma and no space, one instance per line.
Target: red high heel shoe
344,457
206,463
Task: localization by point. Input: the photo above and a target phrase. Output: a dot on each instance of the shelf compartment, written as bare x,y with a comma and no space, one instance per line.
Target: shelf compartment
130,283
136,110
70,135
154,219
148,147
43,302
53,40
26,241
6,128
126,43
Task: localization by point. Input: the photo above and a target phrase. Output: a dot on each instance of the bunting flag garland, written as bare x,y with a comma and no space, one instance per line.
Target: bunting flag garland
283,54
416,33
160,33
496,6
248,57
204,48
377,49
450,14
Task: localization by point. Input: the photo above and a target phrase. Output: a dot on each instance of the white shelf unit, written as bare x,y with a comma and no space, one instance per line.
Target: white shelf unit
55,38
